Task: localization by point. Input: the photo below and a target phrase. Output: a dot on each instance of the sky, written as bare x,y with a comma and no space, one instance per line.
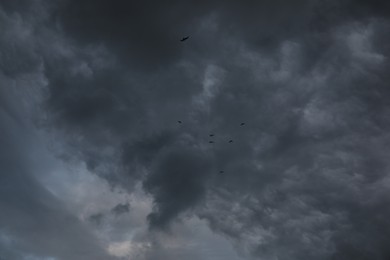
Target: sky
94,163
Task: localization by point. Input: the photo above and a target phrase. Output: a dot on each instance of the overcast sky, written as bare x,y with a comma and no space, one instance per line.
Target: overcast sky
94,164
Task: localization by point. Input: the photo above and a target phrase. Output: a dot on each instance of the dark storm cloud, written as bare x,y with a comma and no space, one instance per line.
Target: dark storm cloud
121,209
149,35
16,6
177,182
146,35
96,218
307,175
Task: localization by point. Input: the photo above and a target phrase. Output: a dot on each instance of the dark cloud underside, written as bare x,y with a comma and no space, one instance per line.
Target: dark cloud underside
306,177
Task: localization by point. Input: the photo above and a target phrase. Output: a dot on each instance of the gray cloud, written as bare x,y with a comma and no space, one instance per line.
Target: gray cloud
306,176
121,209
96,218
33,222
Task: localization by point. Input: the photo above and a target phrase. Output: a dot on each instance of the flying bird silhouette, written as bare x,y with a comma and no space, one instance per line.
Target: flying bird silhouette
179,122
184,38
211,142
230,141
221,171
211,135
242,124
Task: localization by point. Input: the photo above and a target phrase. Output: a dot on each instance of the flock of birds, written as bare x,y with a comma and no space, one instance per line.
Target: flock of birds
210,135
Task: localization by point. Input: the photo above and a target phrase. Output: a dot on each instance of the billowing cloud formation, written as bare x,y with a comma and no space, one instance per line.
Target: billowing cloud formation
120,209
306,177
33,223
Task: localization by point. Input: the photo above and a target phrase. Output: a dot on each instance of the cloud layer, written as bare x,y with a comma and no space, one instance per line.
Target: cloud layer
91,94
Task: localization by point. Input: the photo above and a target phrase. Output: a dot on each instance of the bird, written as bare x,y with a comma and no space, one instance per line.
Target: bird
211,142
184,38
242,124
221,171
179,122
211,135
230,141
